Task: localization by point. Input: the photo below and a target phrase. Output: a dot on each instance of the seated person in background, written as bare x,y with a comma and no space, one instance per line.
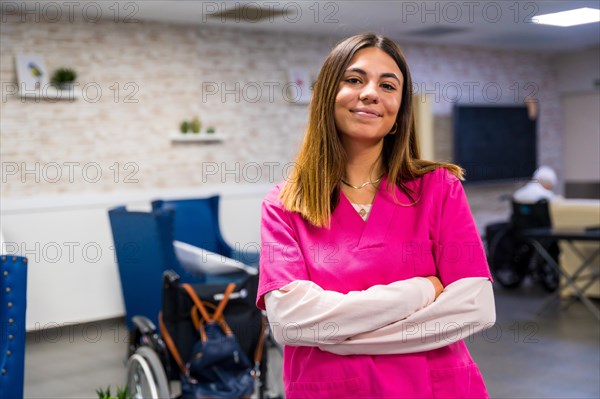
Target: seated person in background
540,187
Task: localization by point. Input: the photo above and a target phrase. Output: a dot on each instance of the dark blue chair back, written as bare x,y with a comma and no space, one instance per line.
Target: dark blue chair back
144,248
13,303
197,223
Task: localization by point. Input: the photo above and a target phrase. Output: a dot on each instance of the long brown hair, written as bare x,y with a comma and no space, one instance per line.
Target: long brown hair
313,185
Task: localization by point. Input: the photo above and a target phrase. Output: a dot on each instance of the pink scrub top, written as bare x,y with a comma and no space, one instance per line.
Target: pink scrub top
435,236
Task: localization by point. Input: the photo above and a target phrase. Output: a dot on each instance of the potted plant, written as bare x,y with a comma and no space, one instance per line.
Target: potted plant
63,78
122,393
184,127
210,130
195,125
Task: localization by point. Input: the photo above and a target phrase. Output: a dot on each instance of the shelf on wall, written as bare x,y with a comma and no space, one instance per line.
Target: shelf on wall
196,137
51,94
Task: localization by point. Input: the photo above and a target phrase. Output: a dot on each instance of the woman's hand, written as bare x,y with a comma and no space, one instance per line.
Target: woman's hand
437,285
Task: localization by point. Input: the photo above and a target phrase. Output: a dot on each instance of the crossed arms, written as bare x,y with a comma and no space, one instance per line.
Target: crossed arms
401,317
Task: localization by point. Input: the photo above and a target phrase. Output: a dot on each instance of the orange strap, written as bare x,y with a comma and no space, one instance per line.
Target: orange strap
197,301
220,308
170,344
217,317
198,323
219,312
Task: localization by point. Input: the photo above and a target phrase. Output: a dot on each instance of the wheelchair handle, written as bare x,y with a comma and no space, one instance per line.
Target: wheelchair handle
243,293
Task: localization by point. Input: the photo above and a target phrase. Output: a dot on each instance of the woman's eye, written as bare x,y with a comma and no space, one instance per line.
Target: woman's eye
388,86
353,80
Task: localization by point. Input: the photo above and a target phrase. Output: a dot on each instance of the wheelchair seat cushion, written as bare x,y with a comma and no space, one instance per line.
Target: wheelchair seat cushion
200,260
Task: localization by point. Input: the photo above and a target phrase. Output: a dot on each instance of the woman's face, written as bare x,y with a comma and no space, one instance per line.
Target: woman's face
369,96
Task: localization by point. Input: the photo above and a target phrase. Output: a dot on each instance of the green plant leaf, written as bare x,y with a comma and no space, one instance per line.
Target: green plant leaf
64,75
123,393
102,394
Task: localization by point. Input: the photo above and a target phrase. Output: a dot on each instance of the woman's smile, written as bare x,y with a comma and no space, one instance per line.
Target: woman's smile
366,113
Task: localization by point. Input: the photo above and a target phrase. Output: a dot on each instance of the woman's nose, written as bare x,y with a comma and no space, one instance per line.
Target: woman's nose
369,93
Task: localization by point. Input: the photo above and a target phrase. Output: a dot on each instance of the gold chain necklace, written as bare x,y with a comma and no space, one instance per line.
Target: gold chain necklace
361,208
362,185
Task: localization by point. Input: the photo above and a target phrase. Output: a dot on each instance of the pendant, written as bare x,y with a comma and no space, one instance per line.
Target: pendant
362,212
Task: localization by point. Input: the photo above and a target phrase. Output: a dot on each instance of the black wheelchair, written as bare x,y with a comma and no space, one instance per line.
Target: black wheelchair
152,369
512,257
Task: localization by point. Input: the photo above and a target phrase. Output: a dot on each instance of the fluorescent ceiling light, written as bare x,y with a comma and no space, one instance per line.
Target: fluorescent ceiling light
579,16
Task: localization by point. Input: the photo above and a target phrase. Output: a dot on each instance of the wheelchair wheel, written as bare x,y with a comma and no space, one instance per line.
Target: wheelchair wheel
146,377
509,259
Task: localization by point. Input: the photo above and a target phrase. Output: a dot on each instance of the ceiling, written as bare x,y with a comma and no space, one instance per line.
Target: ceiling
500,24
491,24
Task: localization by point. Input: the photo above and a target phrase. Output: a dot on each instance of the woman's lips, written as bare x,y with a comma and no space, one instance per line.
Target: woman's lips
367,113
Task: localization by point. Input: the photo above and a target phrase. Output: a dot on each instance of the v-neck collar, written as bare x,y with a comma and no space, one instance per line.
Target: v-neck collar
374,230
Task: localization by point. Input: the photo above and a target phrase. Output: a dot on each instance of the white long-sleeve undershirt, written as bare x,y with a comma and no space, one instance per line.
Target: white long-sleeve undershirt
303,314
397,318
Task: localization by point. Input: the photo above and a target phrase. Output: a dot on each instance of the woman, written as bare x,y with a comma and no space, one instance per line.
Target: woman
372,270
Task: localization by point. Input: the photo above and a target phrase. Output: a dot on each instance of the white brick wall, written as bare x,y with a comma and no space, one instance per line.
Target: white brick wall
168,66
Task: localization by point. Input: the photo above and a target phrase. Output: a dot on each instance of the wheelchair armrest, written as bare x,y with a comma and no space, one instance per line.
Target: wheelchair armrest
146,334
171,277
145,326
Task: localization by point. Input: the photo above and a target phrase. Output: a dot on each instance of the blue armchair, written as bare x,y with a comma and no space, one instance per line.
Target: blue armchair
13,303
144,248
197,223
